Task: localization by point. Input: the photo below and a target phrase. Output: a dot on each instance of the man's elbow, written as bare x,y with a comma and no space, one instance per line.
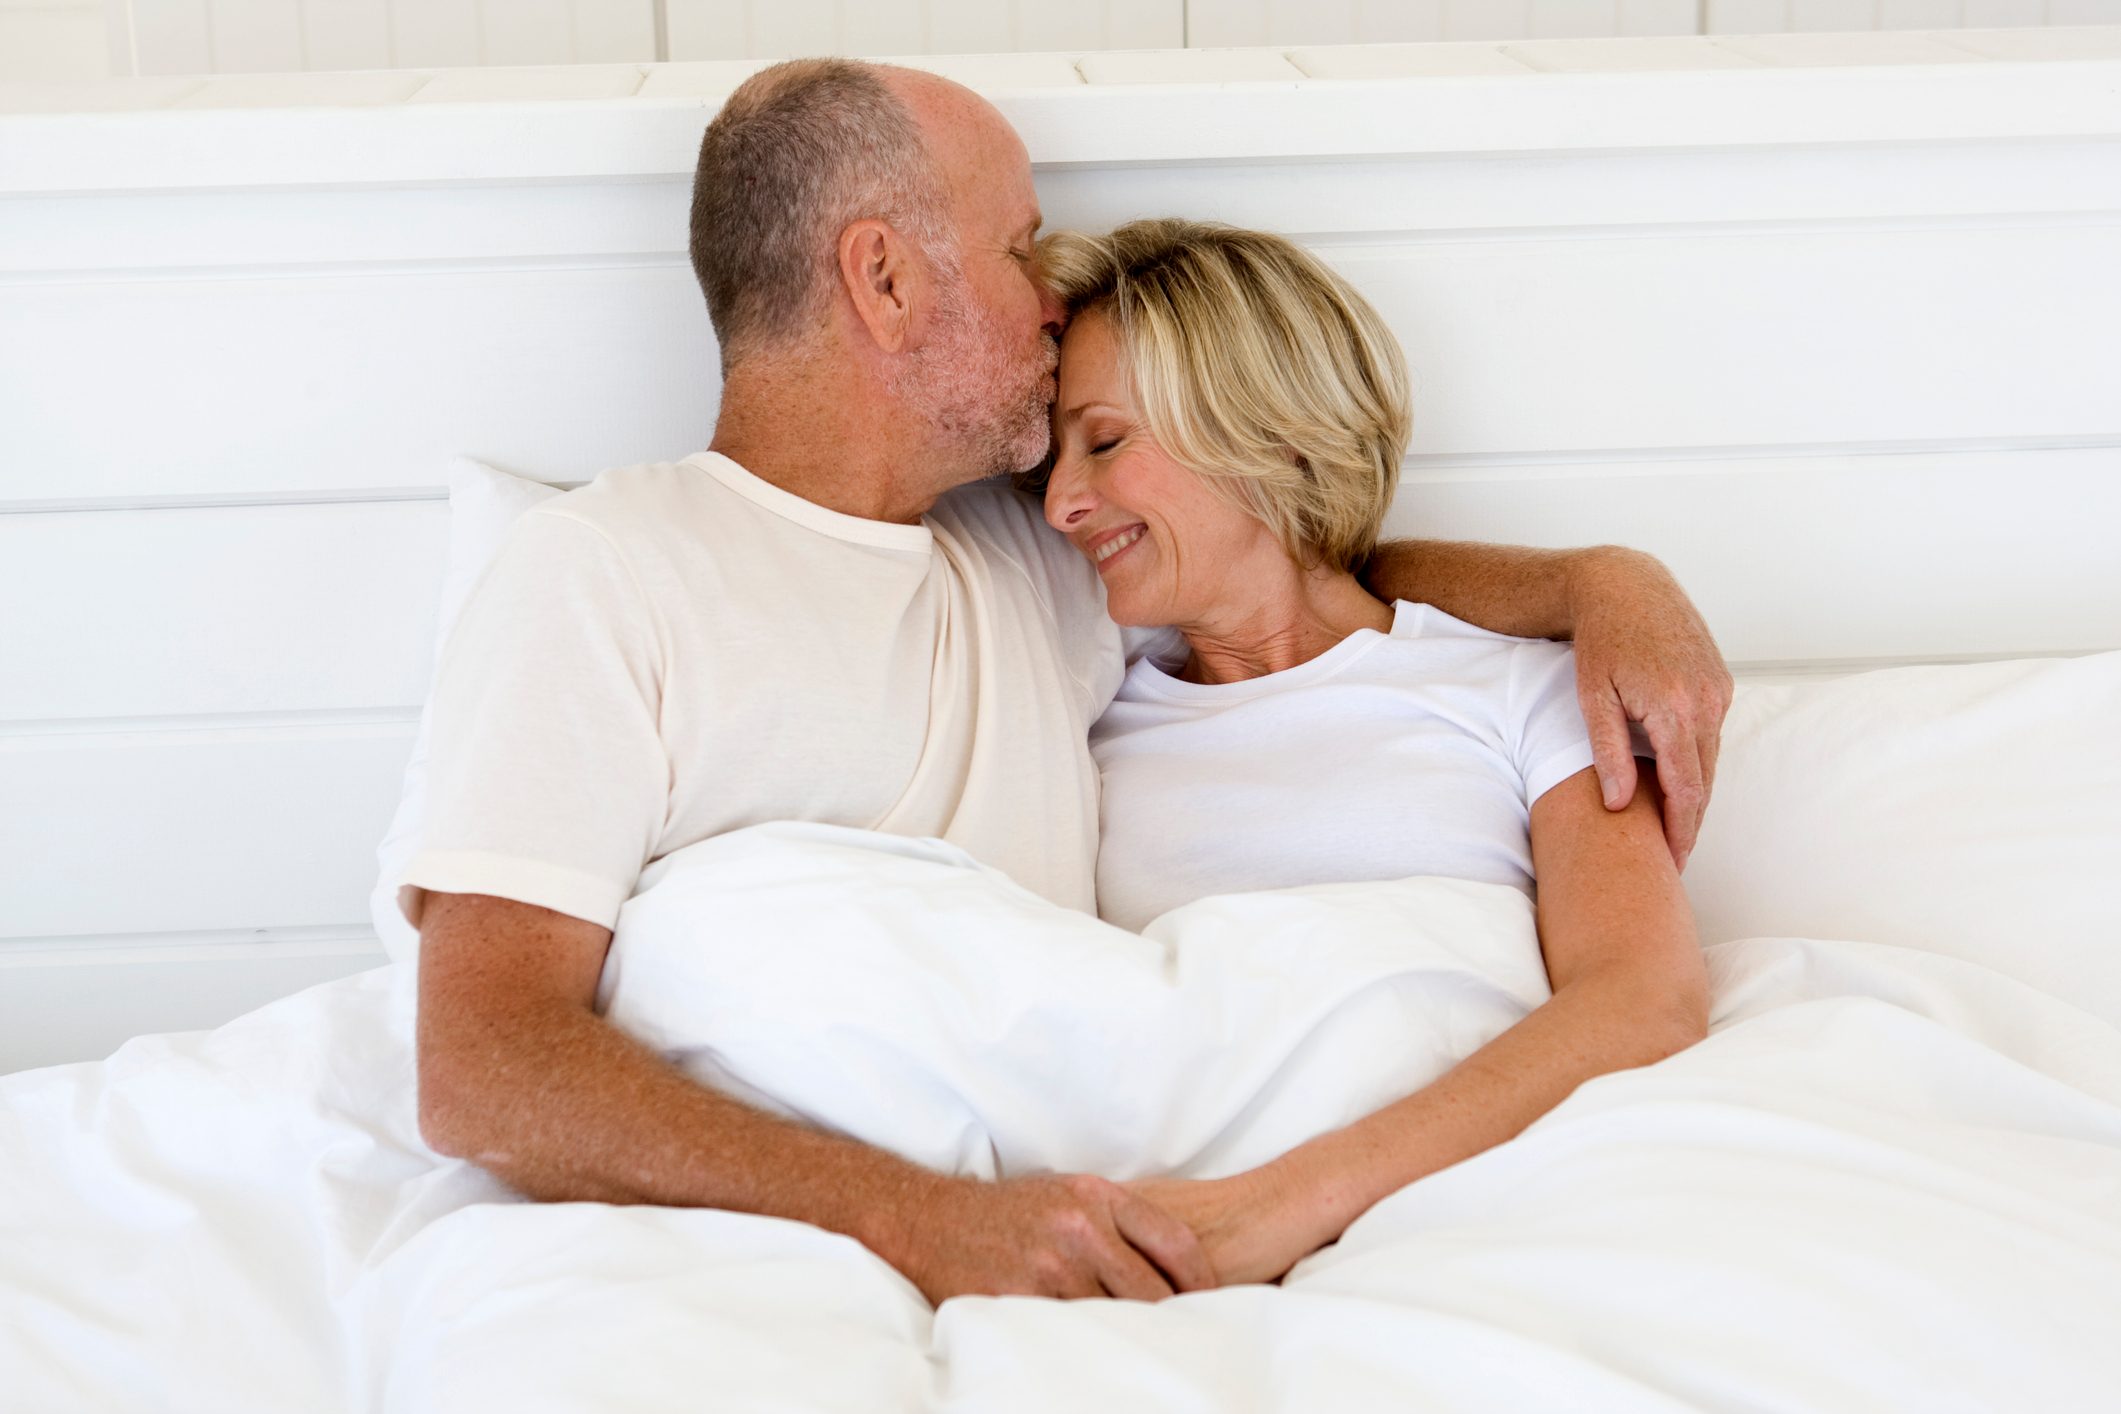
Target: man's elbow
446,1111
440,1128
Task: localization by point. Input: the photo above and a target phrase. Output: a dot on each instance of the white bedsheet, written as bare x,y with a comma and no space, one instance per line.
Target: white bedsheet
1888,1180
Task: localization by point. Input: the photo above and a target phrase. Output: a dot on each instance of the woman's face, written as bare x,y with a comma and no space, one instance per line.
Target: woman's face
1169,550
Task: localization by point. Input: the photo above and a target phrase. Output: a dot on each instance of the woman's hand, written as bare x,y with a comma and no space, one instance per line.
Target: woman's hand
1253,1226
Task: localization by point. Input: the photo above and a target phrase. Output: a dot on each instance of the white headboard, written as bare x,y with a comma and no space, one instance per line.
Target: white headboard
1833,326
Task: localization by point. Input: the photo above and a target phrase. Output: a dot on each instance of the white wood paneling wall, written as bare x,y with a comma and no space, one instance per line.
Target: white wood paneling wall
267,36
1776,16
1251,22
230,36
779,29
1838,346
1215,22
53,39
67,38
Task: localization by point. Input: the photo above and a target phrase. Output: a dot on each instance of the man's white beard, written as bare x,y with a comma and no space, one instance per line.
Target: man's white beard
987,406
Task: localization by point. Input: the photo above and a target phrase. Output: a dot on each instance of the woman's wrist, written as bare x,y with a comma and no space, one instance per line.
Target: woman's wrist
1306,1190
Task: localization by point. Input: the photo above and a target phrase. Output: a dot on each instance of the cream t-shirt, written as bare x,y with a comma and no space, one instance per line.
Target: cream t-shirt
680,649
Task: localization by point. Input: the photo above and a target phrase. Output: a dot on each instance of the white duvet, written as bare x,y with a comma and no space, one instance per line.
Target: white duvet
1888,1179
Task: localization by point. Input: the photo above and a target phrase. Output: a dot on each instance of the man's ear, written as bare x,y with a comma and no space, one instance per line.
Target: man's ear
880,277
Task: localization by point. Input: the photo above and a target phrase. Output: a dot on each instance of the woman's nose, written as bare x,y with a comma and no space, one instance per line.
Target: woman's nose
1068,497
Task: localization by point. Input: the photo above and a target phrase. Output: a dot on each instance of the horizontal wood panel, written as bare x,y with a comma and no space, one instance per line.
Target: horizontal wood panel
1862,558
181,831
325,129
1566,343
339,380
1522,194
313,230
219,610
82,1004
1693,340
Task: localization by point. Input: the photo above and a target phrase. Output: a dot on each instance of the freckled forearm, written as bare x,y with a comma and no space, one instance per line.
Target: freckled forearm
1504,588
1584,1031
563,1107
1509,589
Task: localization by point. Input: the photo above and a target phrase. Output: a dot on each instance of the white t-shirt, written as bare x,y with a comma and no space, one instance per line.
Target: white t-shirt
1389,755
680,649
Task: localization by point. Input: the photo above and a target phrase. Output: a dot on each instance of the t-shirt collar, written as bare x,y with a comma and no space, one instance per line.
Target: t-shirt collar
1146,678
810,515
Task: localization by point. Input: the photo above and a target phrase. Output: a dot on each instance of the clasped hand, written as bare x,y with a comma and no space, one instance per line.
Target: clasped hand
1075,1235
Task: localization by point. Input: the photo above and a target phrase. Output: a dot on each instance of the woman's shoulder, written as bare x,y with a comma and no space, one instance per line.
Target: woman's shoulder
1426,628
1447,653
1415,621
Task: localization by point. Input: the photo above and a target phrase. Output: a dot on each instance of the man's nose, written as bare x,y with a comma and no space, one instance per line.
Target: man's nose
1052,314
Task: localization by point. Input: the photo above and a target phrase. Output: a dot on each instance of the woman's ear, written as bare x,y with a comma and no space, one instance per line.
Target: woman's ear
880,278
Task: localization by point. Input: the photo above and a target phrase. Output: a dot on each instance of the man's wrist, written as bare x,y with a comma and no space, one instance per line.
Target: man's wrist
890,1224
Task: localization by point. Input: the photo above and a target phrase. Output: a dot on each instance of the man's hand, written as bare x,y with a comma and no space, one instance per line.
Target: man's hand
1069,1235
1643,654
1641,650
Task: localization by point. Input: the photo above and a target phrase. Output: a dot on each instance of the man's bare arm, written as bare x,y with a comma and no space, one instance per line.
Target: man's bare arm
1642,651
518,1074
1507,588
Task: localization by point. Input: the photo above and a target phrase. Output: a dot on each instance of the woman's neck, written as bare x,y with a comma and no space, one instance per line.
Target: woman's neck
1293,621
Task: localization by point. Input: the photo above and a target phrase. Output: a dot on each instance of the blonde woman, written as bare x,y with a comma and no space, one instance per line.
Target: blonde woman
1227,439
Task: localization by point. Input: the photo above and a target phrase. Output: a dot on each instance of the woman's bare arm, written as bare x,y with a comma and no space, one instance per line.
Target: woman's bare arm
1629,988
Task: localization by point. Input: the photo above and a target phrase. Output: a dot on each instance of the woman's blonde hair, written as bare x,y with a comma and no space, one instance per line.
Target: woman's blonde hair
1257,368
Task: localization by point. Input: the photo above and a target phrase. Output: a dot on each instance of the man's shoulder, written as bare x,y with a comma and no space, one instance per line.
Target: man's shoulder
992,502
641,496
645,512
1011,524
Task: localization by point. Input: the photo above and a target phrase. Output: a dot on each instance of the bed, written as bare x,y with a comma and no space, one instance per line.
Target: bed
1828,324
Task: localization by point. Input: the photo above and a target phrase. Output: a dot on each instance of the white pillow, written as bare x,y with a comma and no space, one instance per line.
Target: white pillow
1972,810
483,503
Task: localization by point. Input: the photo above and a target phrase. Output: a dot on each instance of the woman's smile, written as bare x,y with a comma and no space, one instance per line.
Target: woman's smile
1111,547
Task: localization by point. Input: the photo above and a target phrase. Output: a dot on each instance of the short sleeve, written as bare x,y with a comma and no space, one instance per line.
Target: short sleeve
1548,739
548,780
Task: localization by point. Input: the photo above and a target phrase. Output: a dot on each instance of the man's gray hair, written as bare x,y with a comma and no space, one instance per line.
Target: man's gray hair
799,152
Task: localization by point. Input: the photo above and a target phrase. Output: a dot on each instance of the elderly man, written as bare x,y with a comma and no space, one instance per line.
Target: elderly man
837,613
